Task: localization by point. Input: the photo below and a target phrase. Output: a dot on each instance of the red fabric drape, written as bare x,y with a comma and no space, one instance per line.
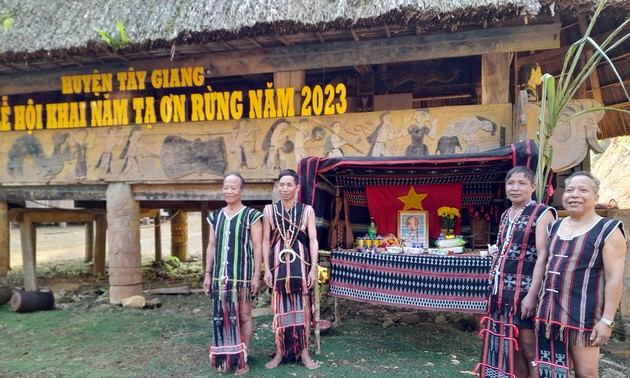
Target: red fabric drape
384,205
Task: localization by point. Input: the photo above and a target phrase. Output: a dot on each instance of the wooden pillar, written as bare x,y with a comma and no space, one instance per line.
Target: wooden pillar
5,242
624,215
179,235
123,238
157,233
89,241
291,79
28,238
495,78
205,233
100,244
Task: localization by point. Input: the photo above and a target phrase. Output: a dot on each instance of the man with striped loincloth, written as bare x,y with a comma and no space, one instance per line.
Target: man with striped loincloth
232,276
509,342
582,286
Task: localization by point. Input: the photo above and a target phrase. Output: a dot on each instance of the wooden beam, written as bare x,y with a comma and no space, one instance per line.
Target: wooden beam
37,215
53,192
330,55
196,192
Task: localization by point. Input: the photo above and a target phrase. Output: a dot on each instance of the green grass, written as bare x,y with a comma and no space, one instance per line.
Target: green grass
98,340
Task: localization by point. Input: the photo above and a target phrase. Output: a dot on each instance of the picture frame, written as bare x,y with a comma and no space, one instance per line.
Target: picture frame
413,227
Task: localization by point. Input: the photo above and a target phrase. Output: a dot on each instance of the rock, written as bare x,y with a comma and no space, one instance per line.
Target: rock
393,317
387,323
409,318
153,303
135,301
440,319
196,311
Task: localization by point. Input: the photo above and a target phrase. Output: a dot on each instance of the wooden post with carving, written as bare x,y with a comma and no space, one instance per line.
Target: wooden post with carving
28,240
5,242
123,223
179,235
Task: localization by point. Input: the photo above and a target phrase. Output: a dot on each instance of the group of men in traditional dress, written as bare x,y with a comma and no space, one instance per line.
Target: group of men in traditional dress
241,239
555,285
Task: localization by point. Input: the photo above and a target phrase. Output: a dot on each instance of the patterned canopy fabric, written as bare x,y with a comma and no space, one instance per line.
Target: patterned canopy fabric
482,176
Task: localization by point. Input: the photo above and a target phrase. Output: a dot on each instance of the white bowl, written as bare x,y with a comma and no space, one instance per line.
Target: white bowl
394,250
414,251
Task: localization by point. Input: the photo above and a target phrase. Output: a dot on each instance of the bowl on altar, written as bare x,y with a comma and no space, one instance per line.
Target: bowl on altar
414,251
394,250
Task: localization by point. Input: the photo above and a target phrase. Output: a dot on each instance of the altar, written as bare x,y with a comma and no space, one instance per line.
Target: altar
428,282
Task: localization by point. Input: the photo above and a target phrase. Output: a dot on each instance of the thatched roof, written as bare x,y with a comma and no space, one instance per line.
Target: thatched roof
53,29
53,35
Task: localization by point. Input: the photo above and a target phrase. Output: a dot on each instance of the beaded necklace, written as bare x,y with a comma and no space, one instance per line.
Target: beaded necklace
508,222
288,233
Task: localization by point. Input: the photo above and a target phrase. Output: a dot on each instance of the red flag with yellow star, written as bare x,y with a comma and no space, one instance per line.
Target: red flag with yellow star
384,202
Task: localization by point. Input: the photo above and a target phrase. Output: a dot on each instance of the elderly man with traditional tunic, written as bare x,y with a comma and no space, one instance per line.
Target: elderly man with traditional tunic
232,276
583,283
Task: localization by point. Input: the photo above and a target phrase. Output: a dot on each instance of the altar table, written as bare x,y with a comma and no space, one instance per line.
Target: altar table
429,282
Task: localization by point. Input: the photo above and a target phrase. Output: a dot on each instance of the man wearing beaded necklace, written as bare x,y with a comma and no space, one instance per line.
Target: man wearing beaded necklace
509,342
290,252
232,276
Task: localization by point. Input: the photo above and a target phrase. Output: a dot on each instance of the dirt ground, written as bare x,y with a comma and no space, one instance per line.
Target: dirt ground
64,246
56,243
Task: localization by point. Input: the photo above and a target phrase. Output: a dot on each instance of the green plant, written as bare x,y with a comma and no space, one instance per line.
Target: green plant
172,263
7,20
556,94
116,41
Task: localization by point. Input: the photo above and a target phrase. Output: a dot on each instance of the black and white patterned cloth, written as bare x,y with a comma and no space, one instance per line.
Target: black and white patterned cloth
428,282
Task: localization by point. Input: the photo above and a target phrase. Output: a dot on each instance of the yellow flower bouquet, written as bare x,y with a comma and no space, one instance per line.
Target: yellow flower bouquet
447,216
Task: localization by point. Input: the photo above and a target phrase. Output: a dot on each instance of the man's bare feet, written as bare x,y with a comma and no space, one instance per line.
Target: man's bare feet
307,361
241,371
222,368
275,361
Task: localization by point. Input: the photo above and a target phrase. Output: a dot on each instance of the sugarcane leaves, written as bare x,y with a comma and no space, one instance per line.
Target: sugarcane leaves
115,41
556,93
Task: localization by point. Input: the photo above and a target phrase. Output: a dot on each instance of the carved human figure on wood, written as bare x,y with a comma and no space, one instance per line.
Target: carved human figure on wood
132,151
81,141
384,132
244,144
530,77
104,164
302,135
424,126
275,145
334,142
